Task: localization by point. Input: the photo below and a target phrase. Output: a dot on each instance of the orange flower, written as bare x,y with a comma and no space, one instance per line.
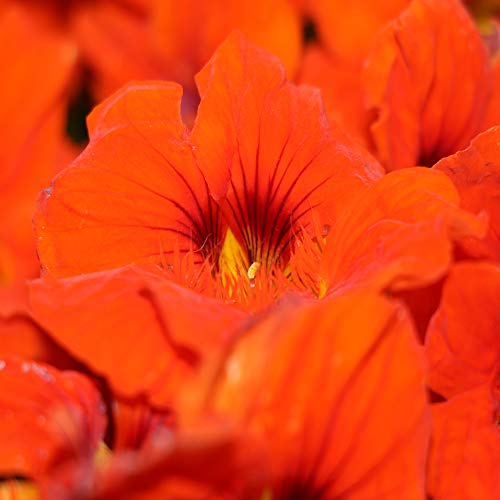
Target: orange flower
406,105
260,167
463,348
310,390
259,426
260,164
431,97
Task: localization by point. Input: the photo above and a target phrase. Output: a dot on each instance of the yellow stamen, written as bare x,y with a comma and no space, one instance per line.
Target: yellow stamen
252,270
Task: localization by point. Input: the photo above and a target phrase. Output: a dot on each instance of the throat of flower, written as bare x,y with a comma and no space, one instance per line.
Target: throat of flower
233,260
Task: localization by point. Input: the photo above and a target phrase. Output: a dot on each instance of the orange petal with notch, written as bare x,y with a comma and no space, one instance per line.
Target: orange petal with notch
270,157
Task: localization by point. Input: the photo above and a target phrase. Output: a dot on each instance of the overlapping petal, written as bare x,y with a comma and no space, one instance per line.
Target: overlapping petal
136,327
46,417
463,341
465,455
412,80
463,347
475,172
317,384
399,235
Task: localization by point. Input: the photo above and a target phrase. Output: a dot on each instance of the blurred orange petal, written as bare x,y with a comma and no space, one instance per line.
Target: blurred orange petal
36,67
334,391
46,417
347,29
188,31
342,92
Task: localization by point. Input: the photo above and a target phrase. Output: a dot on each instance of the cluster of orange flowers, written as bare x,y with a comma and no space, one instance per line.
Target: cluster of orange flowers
276,279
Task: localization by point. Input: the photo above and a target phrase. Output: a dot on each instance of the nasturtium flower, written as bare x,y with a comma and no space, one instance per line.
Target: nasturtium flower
427,86
260,180
463,348
429,79
260,164
293,409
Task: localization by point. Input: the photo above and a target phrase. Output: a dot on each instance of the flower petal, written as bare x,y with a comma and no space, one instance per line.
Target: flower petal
135,327
342,91
476,175
399,235
134,195
463,341
465,454
32,129
348,28
267,151
46,417
189,31
317,384
429,79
